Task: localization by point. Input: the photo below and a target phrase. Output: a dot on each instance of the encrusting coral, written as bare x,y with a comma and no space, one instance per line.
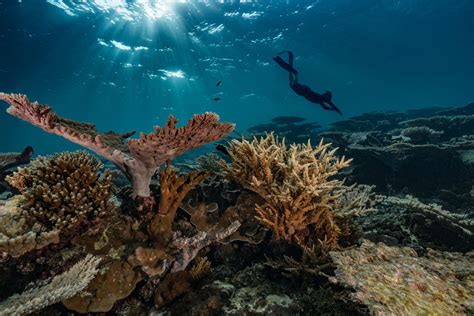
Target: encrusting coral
295,183
18,237
63,191
138,159
396,281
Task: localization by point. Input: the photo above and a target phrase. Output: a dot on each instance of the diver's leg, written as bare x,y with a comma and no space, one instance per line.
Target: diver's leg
326,107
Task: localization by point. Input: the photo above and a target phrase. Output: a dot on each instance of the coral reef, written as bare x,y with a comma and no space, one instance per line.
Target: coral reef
287,218
59,288
393,280
138,159
427,153
291,128
408,221
294,182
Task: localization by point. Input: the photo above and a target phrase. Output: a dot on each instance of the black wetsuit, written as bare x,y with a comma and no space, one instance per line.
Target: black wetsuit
303,90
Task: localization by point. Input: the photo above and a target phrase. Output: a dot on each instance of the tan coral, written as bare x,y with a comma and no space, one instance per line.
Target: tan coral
295,182
201,268
139,158
17,237
396,281
64,190
153,261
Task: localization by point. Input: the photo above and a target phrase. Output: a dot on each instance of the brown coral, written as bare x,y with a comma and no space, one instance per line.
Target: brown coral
63,191
173,189
115,282
396,281
139,158
295,183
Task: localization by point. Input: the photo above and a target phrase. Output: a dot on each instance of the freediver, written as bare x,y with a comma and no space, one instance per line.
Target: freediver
300,89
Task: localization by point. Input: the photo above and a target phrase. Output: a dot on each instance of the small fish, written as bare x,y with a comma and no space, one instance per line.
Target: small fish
218,83
217,99
221,148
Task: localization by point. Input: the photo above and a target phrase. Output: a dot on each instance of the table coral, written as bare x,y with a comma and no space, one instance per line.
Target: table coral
138,159
11,160
396,281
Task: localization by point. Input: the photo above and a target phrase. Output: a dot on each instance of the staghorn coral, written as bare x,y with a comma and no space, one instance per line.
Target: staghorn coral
201,268
63,191
59,288
173,189
138,159
17,237
396,281
294,182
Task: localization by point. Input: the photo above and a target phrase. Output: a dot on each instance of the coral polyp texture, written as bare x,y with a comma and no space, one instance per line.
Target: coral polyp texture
63,191
396,281
297,183
138,159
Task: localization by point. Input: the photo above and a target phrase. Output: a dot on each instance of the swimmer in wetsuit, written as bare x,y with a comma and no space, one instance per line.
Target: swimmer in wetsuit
300,89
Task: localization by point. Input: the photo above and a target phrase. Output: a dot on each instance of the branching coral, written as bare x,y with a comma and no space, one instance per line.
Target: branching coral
396,281
63,191
173,189
61,287
139,158
295,182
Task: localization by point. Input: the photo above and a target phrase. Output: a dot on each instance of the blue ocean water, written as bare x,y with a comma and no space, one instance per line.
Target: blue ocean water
127,65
